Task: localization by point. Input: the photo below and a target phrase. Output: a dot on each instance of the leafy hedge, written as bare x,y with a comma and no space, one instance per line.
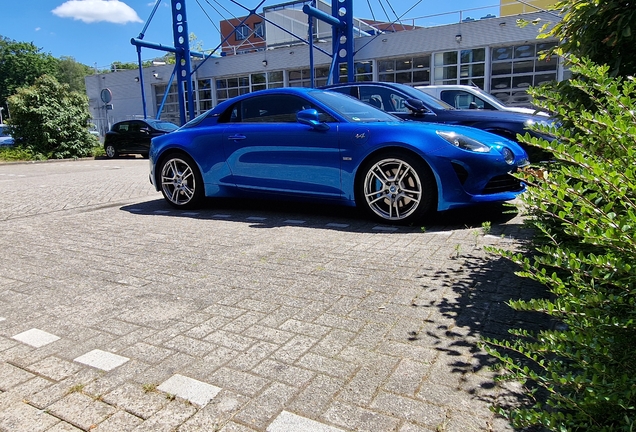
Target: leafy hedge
50,121
581,375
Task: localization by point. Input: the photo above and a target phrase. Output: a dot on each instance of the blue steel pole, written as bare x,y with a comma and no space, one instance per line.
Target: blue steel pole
182,54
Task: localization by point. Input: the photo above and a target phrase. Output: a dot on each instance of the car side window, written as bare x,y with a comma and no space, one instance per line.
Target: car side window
271,109
461,99
383,98
134,127
123,127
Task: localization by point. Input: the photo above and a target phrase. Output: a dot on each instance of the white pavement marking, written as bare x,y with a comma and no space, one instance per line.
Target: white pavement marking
190,213
197,392
2,318
295,221
36,338
384,228
288,422
162,211
221,215
337,225
256,218
102,360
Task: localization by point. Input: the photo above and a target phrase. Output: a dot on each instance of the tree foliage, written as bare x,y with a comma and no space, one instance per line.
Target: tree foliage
49,120
602,31
21,63
582,208
72,73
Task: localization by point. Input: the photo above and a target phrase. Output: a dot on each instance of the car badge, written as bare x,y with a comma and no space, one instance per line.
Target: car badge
360,136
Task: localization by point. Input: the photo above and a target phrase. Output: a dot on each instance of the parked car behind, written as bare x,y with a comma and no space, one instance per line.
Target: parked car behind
471,97
133,136
410,103
5,138
321,146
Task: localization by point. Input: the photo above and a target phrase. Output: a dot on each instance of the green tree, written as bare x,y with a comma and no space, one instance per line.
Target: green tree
21,63
581,375
49,120
602,31
72,73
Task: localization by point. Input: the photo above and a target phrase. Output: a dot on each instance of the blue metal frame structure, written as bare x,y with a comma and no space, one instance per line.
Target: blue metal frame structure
341,21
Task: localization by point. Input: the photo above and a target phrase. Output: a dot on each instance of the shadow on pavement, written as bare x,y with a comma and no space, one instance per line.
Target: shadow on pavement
279,213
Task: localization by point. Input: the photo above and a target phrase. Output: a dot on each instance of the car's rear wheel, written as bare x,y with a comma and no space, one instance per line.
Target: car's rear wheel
397,188
111,151
181,182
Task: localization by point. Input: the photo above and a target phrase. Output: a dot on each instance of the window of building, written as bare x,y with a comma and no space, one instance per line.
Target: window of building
242,32
515,68
259,30
204,95
302,77
408,70
230,87
460,67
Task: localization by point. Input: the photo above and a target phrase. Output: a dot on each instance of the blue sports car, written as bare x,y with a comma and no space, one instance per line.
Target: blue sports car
311,144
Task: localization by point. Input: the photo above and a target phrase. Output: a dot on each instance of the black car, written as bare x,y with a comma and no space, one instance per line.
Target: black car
410,103
133,136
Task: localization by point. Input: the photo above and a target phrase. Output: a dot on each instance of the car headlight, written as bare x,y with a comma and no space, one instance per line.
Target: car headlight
464,142
508,155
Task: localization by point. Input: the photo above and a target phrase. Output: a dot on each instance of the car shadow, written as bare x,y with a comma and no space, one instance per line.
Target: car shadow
270,214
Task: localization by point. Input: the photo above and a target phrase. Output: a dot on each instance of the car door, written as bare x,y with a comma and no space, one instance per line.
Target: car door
268,150
138,136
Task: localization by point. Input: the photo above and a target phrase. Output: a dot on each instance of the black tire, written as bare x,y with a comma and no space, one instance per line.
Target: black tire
111,151
180,181
396,188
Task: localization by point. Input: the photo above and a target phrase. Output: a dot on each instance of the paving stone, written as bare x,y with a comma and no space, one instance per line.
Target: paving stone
294,349
287,421
216,413
119,422
261,410
136,400
63,427
197,392
240,382
409,409
22,417
36,338
54,368
11,376
326,365
102,360
81,410
171,416
359,419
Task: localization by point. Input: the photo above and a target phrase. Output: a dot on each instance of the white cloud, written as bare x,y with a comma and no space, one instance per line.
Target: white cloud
38,29
90,11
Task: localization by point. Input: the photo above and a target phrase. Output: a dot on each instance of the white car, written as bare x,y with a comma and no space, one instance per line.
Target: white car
5,138
466,97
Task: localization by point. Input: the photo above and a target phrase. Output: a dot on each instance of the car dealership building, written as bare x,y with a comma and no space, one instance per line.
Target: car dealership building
492,52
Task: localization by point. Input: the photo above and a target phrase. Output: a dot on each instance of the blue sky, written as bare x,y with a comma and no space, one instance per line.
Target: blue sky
98,32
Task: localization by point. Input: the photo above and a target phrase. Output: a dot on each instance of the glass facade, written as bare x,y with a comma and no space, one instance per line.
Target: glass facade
515,68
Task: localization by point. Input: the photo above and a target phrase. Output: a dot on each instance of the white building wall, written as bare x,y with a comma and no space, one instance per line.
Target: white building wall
491,32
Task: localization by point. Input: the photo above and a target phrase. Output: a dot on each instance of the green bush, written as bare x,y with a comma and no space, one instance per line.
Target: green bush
49,121
581,375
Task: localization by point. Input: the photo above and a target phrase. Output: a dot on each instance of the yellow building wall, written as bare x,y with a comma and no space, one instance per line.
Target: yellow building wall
512,7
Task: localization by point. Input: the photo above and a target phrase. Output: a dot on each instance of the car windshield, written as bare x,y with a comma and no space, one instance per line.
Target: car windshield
163,126
429,100
352,109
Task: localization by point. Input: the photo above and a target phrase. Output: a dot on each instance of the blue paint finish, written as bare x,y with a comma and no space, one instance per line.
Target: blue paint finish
259,156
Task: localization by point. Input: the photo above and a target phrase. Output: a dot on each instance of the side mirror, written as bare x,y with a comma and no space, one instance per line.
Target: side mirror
311,118
416,106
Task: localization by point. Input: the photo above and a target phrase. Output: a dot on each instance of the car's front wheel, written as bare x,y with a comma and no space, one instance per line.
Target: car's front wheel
397,188
111,151
181,182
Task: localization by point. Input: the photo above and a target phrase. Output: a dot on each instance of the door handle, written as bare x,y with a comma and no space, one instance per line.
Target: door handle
236,137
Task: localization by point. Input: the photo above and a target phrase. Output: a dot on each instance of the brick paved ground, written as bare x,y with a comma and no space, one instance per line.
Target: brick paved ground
118,313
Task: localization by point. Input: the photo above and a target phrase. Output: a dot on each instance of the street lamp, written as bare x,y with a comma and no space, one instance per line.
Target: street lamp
1,109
